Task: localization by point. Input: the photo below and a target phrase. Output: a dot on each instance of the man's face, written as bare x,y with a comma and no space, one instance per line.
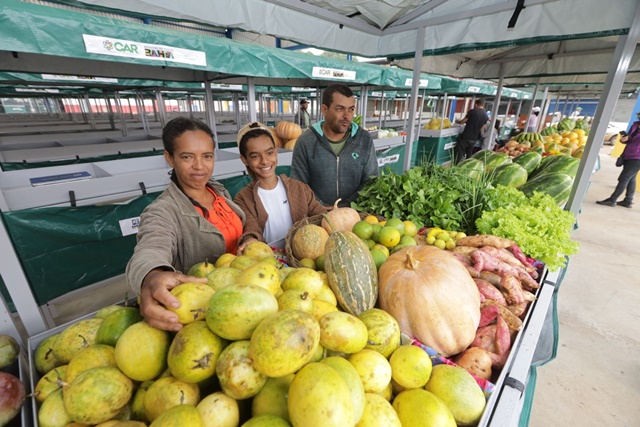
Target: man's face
339,114
303,105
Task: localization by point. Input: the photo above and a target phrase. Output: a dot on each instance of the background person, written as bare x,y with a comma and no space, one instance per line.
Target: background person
192,220
302,116
335,157
630,167
475,122
532,126
271,203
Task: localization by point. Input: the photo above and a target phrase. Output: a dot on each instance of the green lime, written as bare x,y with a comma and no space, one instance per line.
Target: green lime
308,263
389,236
450,244
408,241
363,229
410,229
430,240
440,244
376,233
397,224
444,236
320,263
378,257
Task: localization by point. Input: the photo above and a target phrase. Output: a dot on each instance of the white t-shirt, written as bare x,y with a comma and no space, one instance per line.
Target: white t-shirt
279,222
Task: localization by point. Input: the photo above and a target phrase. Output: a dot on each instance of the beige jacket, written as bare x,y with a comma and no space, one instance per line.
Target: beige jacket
302,203
174,236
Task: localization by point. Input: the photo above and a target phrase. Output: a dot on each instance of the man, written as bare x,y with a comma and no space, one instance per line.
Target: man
532,126
335,157
475,122
302,117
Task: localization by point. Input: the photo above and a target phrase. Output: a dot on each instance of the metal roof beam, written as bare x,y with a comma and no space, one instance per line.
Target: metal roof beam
545,56
327,15
460,15
410,16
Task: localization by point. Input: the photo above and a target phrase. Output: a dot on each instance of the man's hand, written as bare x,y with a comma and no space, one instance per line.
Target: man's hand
155,296
244,244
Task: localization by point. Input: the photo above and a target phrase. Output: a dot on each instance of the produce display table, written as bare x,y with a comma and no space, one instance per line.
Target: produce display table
436,145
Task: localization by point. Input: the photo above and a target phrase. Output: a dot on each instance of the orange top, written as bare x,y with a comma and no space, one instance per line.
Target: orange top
224,219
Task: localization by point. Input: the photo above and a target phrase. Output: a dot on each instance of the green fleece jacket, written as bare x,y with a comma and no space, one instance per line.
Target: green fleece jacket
174,236
332,177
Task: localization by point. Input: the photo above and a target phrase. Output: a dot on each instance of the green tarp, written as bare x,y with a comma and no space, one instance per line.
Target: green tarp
62,249
14,166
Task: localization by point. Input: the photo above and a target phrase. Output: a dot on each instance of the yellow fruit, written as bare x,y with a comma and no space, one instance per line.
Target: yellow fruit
194,352
382,223
431,240
383,331
433,231
219,410
238,375
97,395
76,337
410,229
444,236
371,219
141,351
410,366
573,136
167,393
194,298
418,407
201,269
250,303
224,259
261,274
450,244
319,397
308,263
43,359
373,368
459,391
389,236
320,308
397,224
350,376
342,332
258,250
326,294
272,398
363,229
243,261
383,249
407,241
387,393
378,412
105,311
52,412
222,276
303,279
441,244
460,235
90,357
295,299
266,421
50,382
182,415
273,350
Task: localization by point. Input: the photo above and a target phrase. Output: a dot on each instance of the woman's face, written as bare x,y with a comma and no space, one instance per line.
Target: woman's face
192,159
262,157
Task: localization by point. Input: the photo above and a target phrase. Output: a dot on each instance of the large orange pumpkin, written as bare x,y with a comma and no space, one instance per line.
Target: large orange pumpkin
288,131
290,145
432,296
276,138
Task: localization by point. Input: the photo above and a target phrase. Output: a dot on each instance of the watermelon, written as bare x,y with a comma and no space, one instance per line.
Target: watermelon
472,168
566,125
495,160
560,163
581,124
482,155
558,185
529,161
549,130
510,175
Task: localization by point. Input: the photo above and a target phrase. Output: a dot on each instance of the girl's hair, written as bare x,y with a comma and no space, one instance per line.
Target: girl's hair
171,131
253,133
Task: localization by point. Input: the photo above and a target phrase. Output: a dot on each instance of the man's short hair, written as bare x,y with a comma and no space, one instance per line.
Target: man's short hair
327,95
480,102
304,101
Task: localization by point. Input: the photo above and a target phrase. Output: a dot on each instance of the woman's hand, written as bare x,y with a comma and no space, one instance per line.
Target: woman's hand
244,244
155,296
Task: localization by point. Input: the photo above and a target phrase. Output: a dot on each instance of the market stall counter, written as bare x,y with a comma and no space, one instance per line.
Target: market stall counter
436,145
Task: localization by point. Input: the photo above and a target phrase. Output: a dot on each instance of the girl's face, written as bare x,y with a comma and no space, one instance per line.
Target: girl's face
261,158
192,159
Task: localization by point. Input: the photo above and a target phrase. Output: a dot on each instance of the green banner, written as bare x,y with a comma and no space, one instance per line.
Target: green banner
14,166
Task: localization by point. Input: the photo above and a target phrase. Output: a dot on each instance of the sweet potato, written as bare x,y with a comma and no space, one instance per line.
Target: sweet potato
512,290
480,240
490,277
463,250
489,308
477,361
507,257
489,291
484,261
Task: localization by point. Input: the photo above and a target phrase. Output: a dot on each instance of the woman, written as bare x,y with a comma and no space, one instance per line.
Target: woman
532,126
192,220
271,203
630,167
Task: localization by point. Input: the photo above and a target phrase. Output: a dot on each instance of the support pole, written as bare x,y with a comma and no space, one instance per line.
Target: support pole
210,112
417,61
251,99
123,122
533,103
496,107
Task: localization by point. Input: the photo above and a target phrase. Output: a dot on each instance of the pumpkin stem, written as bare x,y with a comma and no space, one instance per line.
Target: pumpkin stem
326,218
335,205
410,263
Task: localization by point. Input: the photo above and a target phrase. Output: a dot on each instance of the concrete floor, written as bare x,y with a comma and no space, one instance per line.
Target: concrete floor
595,379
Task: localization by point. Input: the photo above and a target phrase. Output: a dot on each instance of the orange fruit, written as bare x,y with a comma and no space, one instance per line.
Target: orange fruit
371,219
397,224
363,229
410,229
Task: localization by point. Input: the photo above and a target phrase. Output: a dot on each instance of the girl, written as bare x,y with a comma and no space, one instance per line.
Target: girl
271,203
